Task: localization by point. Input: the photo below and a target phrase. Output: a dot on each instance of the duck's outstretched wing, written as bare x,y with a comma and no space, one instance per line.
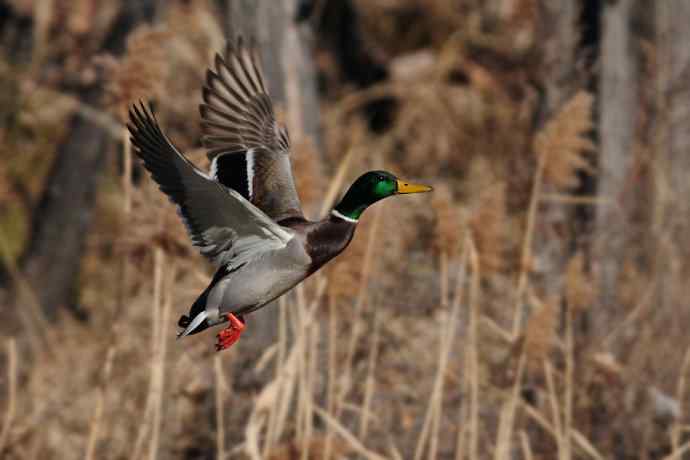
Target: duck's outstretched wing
225,227
249,150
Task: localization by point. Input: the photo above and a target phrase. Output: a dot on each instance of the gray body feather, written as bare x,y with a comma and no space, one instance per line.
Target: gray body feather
260,281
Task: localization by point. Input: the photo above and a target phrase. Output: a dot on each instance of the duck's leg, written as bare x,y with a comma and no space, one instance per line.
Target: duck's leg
230,334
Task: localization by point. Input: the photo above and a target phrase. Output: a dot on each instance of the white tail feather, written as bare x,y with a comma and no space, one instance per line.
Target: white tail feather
198,319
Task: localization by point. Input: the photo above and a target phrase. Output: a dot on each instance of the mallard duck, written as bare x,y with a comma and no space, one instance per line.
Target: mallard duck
244,214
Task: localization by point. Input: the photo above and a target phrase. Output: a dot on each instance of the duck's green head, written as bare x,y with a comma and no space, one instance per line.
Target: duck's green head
371,187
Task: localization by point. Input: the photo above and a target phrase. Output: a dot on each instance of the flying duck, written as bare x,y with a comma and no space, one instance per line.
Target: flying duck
244,214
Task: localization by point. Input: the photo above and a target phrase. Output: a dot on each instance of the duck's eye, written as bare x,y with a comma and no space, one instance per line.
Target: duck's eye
381,178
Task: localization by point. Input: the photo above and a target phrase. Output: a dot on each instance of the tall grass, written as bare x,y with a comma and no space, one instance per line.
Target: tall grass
437,334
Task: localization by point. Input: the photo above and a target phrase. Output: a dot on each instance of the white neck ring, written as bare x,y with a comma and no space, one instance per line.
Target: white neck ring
342,216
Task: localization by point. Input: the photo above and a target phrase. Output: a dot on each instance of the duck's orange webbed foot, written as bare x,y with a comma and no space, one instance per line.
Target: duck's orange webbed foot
231,334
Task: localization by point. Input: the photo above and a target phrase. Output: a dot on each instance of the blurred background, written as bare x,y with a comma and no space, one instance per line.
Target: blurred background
534,306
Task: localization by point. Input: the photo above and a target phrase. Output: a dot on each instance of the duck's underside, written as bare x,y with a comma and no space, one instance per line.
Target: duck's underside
235,293
232,294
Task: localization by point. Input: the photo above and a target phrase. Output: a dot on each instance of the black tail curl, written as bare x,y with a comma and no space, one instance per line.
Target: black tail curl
184,321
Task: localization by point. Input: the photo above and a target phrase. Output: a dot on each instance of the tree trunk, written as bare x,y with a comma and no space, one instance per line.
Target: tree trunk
51,261
560,25
560,31
286,59
672,207
61,219
618,105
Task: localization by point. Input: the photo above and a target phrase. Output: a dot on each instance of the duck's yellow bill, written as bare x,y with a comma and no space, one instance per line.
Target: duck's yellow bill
406,187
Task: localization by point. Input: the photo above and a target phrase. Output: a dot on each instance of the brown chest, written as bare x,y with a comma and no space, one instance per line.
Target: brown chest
327,239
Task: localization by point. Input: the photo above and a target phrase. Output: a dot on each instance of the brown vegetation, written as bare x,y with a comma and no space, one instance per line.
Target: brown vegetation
447,329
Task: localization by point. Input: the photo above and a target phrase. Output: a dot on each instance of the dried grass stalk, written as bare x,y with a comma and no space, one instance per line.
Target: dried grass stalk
564,141
351,439
126,181
461,438
366,270
432,419
140,73
44,18
447,220
332,367
553,403
447,235
472,355
370,380
314,335
11,392
158,359
271,410
287,450
154,384
220,399
678,453
526,446
565,450
488,225
526,250
96,422
579,289
540,333
309,348
126,173
681,386
272,432
337,181
586,446
580,440
394,451
507,418
308,170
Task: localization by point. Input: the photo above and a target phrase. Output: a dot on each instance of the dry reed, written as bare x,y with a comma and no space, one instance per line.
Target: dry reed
506,421
448,325
556,420
447,223
159,354
486,213
97,421
467,438
564,141
348,437
580,293
11,393
370,380
220,387
463,115
332,369
367,262
140,73
678,427
526,249
540,333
